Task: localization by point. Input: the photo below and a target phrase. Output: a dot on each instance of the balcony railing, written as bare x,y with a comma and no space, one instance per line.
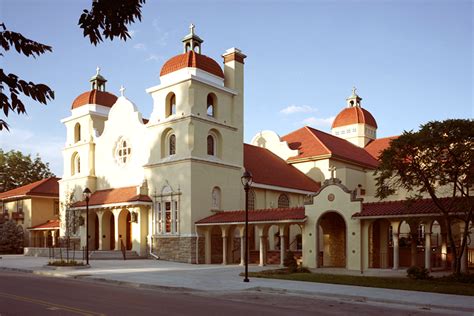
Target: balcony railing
18,215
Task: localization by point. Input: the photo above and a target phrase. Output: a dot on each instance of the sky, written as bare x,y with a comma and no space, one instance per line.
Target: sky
411,61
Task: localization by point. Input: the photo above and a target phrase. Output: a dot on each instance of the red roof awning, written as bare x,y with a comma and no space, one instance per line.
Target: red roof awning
46,187
423,207
52,224
114,196
294,214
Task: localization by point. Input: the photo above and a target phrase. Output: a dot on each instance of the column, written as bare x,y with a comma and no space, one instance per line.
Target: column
414,238
464,260
101,230
263,250
242,250
207,245
224,249
428,251
396,251
53,237
116,214
45,238
282,246
444,250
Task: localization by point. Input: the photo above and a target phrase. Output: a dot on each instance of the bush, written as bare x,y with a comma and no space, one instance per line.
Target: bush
64,263
290,261
11,237
461,278
417,273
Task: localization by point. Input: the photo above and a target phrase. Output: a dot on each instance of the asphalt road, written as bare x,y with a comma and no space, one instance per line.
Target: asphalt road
28,294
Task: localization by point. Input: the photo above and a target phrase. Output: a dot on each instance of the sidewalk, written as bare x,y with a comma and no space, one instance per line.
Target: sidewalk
163,274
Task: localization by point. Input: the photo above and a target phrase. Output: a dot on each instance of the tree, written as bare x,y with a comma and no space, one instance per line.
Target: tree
17,169
11,237
108,18
437,161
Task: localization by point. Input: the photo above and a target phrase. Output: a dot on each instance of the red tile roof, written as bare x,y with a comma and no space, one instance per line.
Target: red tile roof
44,187
406,207
354,115
49,225
376,146
94,97
311,142
263,215
113,196
268,168
194,60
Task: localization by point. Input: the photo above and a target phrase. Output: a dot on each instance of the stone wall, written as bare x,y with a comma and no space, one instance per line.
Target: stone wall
180,249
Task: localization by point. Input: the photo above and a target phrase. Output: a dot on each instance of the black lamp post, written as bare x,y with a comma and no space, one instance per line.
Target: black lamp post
246,181
87,194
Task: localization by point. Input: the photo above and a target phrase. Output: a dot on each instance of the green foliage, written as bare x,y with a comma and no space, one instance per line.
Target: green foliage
110,18
12,83
65,263
418,273
11,237
290,261
17,169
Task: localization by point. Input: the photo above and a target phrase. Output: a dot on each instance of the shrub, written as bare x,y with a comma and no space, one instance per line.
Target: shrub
11,237
417,273
461,278
290,261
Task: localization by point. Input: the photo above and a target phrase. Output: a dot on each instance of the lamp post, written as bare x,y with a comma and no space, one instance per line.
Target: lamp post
87,194
246,182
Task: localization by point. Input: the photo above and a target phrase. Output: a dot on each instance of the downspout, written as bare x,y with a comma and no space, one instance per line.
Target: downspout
152,232
197,244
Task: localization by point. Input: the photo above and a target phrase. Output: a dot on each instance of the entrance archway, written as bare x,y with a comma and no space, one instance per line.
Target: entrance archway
125,229
332,240
216,245
108,231
93,231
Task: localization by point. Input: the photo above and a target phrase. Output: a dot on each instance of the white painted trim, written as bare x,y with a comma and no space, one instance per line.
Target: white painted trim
296,221
167,160
398,216
113,205
278,188
87,109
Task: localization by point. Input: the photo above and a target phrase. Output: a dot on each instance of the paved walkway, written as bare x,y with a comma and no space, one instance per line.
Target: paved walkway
157,273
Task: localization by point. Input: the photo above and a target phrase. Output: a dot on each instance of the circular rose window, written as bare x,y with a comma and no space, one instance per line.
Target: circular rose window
123,151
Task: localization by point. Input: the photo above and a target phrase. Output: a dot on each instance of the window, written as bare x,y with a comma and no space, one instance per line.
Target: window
172,145
77,132
171,104
210,146
283,201
167,212
56,208
123,151
251,202
216,198
211,105
75,164
19,206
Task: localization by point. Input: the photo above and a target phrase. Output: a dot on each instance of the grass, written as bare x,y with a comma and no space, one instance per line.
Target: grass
436,285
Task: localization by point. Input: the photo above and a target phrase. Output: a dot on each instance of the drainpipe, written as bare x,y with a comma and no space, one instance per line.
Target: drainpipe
197,244
151,235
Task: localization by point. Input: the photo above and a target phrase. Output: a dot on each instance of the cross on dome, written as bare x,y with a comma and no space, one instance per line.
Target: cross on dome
122,91
354,91
192,42
354,99
191,28
97,71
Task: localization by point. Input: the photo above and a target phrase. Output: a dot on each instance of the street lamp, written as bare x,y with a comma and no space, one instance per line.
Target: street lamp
87,194
246,182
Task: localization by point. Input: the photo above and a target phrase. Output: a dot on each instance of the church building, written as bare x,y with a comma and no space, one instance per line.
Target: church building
169,186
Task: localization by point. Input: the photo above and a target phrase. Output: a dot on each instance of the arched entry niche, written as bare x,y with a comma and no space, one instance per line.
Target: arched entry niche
380,253
108,231
332,242
93,231
125,228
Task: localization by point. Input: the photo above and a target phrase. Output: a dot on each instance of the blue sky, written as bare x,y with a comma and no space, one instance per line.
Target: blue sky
411,61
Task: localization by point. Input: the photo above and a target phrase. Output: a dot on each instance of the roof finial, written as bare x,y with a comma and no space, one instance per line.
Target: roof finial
354,90
97,71
191,28
122,91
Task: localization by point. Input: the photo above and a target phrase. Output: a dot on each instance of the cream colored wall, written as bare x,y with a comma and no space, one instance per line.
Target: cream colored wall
269,198
318,170
342,205
358,134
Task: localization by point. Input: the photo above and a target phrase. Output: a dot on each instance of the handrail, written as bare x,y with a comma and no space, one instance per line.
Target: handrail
123,249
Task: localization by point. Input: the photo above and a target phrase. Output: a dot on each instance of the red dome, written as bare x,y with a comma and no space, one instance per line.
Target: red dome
194,60
94,97
354,115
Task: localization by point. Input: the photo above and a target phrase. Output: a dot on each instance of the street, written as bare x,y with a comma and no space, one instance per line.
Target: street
28,294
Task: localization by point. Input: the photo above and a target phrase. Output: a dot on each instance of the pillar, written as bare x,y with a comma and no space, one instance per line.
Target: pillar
396,251
225,233
464,260
263,250
116,214
444,250
53,237
414,238
428,251
45,238
101,229
282,246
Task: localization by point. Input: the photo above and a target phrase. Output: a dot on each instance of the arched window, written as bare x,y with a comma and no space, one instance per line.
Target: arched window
283,201
216,198
167,212
252,200
75,164
211,105
77,132
172,145
211,150
171,104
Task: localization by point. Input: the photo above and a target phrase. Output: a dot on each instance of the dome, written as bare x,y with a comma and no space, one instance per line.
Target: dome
354,115
193,60
94,97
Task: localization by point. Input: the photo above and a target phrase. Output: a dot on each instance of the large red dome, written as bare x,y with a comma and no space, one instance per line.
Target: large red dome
354,115
194,60
94,97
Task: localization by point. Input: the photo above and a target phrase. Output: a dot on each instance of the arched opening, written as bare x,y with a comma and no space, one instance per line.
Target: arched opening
125,229
380,241
172,145
77,132
332,240
211,105
170,104
108,231
211,150
75,164
216,245
93,231
216,198
411,247
283,201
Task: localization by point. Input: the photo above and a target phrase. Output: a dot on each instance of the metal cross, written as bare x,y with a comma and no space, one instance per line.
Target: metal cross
122,90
